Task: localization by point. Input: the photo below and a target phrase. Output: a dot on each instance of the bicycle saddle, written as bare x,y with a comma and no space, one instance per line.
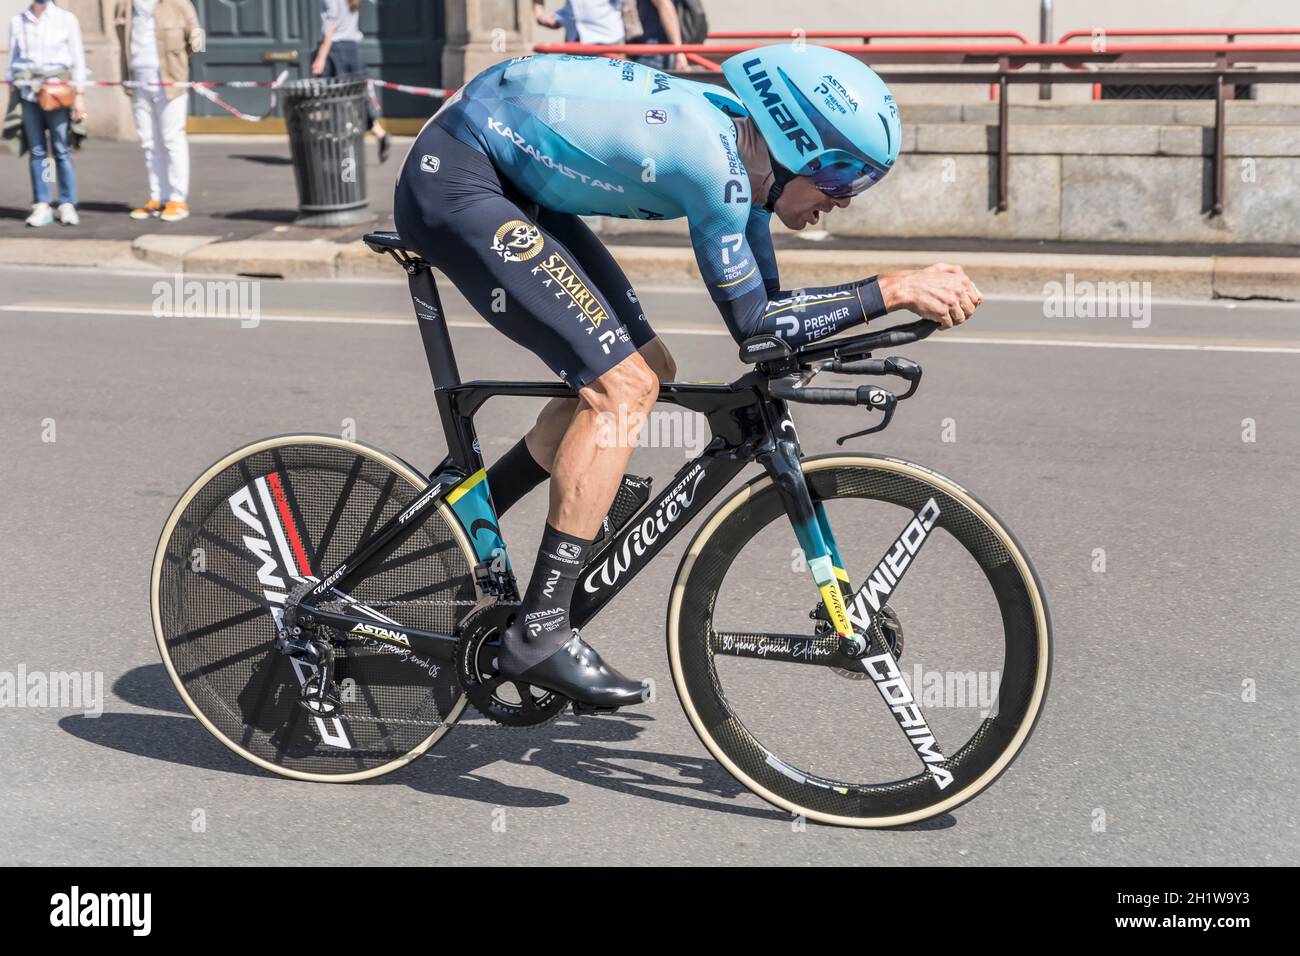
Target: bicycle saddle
386,242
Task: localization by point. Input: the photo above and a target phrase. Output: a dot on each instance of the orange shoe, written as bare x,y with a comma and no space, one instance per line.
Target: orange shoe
175,211
150,209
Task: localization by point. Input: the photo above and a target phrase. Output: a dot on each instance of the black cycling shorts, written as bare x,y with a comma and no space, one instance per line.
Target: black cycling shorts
540,277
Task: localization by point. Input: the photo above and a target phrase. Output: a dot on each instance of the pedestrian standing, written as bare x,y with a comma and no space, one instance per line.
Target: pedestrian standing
666,21
156,39
584,21
48,60
339,54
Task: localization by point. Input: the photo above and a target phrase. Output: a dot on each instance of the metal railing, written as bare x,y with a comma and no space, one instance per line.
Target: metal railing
1230,33
867,35
1217,63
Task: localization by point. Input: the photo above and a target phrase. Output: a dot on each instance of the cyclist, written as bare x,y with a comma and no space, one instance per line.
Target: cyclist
491,193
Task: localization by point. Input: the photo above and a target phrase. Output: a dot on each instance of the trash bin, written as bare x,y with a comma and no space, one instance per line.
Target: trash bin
326,118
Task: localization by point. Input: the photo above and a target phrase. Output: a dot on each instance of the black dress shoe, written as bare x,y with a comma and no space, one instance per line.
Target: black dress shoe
577,672
385,144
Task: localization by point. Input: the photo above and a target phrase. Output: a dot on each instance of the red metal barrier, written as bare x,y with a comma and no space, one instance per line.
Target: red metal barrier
970,53
1229,32
1212,61
1230,35
866,35
1015,55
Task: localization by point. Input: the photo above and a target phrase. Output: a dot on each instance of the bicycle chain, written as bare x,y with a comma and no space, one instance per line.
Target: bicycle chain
340,607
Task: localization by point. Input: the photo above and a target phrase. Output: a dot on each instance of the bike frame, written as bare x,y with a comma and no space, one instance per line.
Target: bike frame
746,422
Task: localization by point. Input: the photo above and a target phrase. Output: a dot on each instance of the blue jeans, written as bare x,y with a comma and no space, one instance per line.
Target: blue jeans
345,60
656,61
36,123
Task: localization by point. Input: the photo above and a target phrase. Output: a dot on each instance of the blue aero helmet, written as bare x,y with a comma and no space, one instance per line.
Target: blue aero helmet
823,113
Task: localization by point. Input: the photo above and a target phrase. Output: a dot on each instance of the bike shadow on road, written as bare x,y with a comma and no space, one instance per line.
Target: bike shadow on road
585,750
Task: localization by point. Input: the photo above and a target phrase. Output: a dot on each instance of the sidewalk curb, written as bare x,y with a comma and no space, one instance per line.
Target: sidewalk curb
1177,277
168,252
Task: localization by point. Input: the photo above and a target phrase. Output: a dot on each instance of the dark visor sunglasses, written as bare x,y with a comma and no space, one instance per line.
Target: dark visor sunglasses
845,178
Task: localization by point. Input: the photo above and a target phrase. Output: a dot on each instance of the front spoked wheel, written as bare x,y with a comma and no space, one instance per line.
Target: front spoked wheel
952,682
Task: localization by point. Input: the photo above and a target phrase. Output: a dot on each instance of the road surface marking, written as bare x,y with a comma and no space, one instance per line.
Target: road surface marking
968,338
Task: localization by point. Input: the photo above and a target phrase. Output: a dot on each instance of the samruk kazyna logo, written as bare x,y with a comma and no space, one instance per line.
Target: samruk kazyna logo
517,241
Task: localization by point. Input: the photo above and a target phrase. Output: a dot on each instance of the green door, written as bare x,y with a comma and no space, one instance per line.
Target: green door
403,44
258,39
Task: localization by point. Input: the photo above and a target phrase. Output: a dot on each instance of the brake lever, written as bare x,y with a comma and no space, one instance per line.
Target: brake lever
897,365
882,400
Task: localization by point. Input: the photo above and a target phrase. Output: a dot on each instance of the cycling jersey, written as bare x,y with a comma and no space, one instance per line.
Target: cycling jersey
603,136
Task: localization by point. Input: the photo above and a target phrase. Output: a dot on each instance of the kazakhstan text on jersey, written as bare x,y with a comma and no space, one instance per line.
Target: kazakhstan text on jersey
601,136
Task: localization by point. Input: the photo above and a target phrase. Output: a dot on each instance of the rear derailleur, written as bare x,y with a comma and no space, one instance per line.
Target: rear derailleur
301,639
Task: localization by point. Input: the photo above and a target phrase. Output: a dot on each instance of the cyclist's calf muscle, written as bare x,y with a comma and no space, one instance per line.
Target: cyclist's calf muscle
543,439
591,458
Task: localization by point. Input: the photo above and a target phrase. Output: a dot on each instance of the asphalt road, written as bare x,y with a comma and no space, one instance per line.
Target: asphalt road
1169,735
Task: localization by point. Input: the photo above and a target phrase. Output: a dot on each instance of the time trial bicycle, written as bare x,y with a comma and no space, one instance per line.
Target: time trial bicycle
328,612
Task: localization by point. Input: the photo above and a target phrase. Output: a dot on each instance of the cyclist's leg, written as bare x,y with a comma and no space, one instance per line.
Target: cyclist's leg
531,287
522,279
603,268
526,283
529,462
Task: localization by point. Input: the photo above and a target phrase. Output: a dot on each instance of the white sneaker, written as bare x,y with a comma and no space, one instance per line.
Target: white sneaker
68,215
41,215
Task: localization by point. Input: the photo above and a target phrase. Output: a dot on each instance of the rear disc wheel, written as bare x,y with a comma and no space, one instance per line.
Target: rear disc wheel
271,517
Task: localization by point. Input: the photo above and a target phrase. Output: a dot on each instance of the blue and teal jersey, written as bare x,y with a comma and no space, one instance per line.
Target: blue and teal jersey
609,137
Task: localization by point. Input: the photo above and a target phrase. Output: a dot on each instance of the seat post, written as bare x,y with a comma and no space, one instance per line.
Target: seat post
433,324
458,429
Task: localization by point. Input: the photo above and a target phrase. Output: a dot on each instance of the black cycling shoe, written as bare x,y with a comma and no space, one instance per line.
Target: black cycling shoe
577,672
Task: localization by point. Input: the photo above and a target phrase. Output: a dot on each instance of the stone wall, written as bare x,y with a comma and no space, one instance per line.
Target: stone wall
1106,171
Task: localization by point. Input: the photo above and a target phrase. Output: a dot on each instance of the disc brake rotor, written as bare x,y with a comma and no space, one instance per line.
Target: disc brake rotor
885,630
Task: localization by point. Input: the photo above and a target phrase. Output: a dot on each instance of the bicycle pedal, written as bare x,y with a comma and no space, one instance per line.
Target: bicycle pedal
647,697
587,710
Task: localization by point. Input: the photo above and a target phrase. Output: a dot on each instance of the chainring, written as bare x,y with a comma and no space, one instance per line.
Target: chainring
509,702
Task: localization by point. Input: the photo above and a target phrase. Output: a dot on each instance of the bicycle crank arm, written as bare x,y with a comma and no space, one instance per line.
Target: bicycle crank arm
823,651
